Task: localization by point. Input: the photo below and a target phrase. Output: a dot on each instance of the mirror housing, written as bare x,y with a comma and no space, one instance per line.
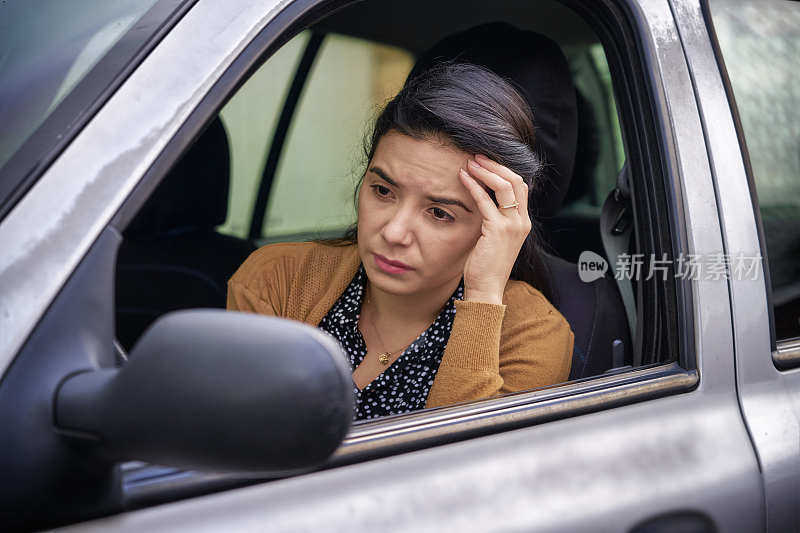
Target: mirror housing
217,390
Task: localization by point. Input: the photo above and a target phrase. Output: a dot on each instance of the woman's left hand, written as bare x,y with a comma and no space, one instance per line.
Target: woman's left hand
503,231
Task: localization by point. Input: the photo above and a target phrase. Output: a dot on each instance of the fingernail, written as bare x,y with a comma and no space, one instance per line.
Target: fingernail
474,164
481,157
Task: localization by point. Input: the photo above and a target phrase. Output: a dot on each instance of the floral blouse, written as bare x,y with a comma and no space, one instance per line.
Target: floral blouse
405,384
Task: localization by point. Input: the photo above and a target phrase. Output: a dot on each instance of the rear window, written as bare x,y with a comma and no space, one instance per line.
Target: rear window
760,43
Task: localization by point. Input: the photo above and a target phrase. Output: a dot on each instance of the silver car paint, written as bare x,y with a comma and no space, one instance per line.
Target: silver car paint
600,472
569,476
769,398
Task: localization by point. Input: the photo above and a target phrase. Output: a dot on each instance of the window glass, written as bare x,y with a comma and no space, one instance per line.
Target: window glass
250,117
617,155
760,43
312,193
600,154
46,48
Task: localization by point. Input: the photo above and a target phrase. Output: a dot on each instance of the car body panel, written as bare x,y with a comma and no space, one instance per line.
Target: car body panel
689,454
579,474
770,399
605,471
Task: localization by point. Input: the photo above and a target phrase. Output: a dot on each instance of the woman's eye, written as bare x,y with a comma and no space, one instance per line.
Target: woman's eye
438,213
441,214
380,190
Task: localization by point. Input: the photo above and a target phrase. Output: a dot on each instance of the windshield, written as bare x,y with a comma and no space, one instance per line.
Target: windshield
46,48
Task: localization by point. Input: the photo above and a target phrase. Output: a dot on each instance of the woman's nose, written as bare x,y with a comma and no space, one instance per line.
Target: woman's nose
398,229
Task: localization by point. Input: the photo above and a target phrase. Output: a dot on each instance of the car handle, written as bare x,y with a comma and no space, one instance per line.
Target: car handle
684,521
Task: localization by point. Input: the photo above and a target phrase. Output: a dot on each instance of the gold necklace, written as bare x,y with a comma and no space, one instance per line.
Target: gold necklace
383,357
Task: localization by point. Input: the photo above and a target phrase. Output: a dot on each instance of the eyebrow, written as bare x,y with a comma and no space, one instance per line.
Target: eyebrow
446,201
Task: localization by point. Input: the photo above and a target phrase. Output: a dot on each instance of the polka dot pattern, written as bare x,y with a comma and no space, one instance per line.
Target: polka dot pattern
405,384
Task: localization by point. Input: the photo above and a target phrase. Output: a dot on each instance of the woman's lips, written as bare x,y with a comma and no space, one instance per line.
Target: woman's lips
389,268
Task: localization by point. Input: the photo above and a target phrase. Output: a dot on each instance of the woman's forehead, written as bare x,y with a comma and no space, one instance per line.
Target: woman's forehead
429,164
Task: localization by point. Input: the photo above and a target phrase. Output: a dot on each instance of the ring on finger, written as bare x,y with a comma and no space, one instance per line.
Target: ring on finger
509,206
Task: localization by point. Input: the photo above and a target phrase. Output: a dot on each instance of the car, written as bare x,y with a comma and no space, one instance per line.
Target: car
149,147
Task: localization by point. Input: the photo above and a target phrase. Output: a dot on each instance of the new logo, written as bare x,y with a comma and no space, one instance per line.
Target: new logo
591,266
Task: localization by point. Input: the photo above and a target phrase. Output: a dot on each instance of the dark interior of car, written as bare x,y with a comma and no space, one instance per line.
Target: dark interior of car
173,257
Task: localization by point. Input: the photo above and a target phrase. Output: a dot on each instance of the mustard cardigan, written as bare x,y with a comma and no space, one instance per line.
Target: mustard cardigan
493,349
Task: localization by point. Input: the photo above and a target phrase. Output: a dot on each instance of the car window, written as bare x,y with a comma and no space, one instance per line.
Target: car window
760,44
599,156
600,153
250,117
181,249
46,48
339,97
350,80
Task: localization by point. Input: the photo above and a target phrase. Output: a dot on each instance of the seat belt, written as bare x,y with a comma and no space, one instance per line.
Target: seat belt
616,225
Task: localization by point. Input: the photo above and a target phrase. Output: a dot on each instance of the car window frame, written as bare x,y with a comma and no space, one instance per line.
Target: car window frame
675,374
652,305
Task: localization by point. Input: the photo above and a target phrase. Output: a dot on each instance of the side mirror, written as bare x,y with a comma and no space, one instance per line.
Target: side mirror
217,390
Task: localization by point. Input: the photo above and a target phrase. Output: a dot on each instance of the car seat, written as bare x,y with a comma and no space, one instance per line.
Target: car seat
171,256
538,68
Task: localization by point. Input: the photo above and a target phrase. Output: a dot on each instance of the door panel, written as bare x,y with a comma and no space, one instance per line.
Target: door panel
770,400
608,471
604,472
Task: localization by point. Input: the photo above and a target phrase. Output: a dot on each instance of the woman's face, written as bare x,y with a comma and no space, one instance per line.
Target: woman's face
413,209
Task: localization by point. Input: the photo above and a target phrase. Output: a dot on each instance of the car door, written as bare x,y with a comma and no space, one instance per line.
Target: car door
747,86
663,445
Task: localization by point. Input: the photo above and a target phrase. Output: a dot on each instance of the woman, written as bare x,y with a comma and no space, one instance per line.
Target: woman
434,293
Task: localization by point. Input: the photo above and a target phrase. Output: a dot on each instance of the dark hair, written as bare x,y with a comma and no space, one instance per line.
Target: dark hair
477,112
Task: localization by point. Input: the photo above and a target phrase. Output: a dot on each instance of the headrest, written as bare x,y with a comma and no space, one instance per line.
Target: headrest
538,69
194,195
